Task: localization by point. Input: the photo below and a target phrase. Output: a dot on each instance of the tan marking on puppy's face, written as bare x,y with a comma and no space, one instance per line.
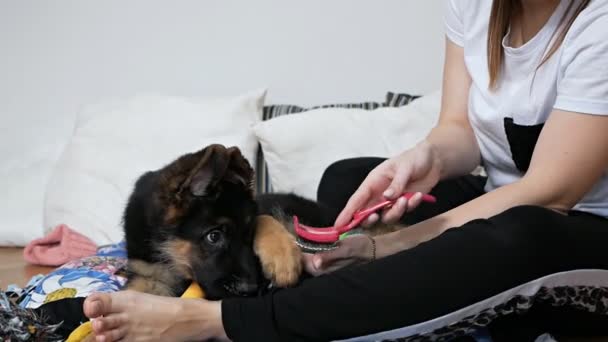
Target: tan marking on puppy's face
172,215
151,286
180,254
152,278
150,270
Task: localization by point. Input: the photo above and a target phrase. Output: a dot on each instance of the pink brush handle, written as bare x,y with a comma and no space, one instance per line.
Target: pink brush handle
361,215
332,234
320,235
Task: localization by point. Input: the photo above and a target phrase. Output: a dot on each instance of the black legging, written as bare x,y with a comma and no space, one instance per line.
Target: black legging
459,268
341,179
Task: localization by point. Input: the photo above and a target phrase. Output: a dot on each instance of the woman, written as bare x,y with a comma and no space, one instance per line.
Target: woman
525,93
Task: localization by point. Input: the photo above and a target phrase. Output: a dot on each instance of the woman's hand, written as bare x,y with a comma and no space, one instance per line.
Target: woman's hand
351,250
416,170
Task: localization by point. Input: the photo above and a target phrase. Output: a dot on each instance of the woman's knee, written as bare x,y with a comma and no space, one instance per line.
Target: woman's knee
519,228
524,212
335,169
349,167
342,178
530,218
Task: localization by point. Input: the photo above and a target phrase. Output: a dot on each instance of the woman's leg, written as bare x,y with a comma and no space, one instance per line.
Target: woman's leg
342,178
459,268
450,193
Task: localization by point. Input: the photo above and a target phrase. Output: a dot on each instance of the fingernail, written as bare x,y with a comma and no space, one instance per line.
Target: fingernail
316,263
389,193
402,201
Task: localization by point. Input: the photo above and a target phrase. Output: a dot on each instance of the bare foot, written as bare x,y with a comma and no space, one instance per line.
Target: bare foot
136,316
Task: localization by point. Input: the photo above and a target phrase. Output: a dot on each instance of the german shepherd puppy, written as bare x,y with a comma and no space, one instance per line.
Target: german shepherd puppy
198,219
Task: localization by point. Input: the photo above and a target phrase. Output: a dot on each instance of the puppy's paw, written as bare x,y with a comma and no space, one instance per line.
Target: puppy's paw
281,258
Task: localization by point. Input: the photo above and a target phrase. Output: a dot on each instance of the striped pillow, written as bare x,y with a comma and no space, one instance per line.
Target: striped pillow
263,184
274,111
398,100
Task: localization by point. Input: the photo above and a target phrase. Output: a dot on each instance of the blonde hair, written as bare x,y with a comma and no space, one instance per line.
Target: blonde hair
502,13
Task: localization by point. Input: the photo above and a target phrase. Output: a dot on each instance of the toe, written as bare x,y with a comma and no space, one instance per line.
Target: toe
112,335
95,303
111,322
103,304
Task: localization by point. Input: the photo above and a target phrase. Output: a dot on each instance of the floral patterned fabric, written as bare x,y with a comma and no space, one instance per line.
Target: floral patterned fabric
102,272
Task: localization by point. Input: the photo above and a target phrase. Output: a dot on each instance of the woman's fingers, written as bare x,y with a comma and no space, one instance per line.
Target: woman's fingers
358,200
349,251
320,263
370,190
399,182
414,202
371,220
401,207
394,213
309,263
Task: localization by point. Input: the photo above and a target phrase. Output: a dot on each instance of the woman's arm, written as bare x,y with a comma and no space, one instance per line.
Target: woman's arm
449,150
569,158
452,140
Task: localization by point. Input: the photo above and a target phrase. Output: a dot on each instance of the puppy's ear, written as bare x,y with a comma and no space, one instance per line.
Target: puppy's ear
199,174
239,170
190,176
211,166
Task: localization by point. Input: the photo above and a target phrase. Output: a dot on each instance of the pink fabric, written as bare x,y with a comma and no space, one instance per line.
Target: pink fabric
58,247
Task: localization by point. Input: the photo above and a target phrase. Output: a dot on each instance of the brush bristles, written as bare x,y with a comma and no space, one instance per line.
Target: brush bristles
306,245
314,247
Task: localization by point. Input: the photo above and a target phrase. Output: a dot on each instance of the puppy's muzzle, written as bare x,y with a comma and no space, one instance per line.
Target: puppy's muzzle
241,286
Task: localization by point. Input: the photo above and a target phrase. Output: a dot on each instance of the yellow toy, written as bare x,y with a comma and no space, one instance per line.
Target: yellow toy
84,331
193,291
80,333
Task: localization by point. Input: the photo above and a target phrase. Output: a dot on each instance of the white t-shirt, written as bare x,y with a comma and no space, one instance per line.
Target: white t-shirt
507,121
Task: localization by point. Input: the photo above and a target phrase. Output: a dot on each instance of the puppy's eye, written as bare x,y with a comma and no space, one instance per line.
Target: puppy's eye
214,237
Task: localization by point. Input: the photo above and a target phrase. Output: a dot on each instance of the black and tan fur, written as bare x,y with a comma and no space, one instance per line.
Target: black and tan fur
174,214
197,219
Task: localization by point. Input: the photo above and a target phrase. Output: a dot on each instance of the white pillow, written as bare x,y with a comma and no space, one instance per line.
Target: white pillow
113,144
299,147
30,145
23,178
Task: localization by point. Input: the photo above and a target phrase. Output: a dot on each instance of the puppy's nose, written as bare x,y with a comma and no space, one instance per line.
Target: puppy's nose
247,287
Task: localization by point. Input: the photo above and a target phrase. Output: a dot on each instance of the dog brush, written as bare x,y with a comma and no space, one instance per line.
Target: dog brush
321,239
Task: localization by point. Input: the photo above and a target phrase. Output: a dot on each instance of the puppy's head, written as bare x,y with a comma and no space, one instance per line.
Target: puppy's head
201,214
